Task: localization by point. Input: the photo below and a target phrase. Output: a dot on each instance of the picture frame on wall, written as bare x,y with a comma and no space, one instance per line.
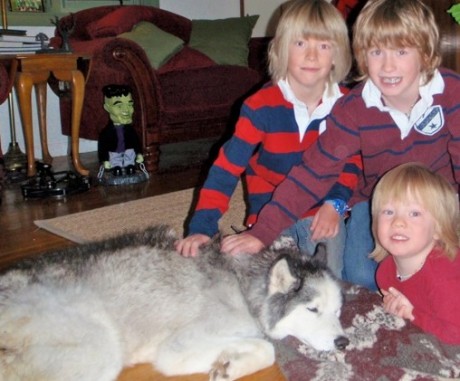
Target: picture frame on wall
27,5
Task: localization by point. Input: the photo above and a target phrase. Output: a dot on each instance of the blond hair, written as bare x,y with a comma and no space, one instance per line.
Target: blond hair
413,180
397,24
310,18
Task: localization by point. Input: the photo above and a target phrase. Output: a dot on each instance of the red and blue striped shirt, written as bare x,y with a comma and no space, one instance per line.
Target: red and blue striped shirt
264,146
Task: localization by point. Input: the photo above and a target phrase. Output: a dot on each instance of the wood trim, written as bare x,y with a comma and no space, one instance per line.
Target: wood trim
242,8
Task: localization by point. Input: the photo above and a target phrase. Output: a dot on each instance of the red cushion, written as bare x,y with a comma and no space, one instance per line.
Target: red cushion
124,18
187,58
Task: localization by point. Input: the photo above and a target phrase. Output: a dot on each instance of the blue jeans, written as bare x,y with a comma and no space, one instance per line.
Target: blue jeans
301,234
358,268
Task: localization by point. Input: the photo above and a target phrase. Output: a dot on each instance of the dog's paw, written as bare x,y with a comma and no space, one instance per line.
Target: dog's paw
242,358
219,371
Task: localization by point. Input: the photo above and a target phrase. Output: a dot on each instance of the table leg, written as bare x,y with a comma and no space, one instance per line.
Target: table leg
40,93
78,94
24,85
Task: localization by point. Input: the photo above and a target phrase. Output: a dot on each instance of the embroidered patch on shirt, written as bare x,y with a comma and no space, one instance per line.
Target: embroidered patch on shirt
431,121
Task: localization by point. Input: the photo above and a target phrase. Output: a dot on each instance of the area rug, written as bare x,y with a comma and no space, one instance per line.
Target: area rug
171,209
382,348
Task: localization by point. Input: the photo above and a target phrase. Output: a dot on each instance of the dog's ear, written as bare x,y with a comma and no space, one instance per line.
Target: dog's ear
321,253
281,279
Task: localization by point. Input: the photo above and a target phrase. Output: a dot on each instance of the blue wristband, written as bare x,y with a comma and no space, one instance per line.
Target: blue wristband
340,206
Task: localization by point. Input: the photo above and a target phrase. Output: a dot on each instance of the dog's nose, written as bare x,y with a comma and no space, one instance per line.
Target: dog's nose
341,342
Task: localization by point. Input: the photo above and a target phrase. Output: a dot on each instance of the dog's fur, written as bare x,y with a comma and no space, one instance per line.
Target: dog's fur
87,312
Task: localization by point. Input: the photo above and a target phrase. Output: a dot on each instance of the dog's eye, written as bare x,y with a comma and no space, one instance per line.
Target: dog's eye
312,309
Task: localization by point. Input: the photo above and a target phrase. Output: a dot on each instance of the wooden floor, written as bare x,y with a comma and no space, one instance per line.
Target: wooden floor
20,238
145,372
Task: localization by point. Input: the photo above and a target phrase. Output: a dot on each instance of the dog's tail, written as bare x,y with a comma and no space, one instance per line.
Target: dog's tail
11,348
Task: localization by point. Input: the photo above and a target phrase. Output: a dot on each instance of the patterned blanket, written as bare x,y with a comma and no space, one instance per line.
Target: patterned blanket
382,348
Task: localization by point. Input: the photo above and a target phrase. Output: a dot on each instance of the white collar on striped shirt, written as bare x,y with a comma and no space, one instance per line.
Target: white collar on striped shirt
302,117
373,98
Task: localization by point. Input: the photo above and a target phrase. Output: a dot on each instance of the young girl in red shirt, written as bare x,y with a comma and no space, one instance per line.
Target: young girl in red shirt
415,218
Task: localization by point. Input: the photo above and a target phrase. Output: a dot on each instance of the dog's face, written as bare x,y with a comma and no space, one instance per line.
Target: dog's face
307,305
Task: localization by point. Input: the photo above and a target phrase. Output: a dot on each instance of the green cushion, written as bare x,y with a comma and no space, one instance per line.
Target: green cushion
225,41
159,45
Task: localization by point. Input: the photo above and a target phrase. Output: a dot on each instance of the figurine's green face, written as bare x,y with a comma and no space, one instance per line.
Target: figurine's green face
120,109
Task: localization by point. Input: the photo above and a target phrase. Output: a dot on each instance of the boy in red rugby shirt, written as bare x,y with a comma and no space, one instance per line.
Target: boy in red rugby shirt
308,57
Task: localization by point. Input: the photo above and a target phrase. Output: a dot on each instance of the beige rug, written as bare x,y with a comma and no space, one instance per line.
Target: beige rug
171,209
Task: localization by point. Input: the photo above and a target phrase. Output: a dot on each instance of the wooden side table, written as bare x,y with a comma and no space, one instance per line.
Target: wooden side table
34,70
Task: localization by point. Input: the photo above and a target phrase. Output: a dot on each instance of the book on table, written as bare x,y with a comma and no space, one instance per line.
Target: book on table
18,47
18,38
12,32
19,44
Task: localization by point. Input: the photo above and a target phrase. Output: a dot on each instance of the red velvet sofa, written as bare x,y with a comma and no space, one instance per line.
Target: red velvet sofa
189,97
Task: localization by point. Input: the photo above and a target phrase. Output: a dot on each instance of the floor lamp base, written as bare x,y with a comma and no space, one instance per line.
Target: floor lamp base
14,159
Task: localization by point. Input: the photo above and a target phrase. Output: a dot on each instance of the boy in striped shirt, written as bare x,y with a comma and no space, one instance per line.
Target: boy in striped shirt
308,57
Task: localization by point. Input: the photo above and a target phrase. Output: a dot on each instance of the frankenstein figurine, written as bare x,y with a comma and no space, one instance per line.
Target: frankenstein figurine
119,148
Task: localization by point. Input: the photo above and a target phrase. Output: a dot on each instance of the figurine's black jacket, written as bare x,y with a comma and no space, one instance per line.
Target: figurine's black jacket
108,141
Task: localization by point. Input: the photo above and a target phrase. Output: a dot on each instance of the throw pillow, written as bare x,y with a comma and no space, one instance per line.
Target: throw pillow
225,40
158,45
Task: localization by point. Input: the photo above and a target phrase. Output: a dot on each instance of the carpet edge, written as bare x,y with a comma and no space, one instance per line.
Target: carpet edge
46,225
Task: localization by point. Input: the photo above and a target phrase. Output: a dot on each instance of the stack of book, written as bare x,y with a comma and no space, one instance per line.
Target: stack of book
14,41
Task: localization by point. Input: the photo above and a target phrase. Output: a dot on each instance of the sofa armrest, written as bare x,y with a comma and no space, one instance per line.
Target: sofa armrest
81,19
129,56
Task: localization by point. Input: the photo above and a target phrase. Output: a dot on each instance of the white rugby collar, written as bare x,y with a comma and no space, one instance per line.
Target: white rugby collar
303,119
373,98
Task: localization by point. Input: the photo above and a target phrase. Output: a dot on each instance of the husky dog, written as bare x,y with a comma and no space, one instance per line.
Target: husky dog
86,312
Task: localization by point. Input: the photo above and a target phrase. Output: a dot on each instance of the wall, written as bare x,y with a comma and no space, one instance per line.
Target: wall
214,9
202,9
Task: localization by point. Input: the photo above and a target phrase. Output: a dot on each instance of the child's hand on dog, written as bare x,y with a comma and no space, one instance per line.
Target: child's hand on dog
241,243
189,246
394,302
325,223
